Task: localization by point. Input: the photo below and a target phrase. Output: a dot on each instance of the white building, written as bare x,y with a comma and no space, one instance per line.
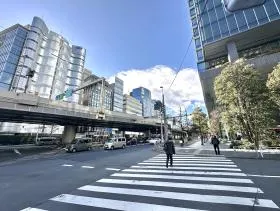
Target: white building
131,105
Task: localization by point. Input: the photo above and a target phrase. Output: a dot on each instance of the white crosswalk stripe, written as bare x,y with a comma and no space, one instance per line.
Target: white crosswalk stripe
193,181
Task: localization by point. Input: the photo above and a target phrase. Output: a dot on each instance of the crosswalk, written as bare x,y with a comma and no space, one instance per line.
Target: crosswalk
194,183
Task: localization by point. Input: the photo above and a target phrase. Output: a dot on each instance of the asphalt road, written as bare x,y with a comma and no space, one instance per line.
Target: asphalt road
136,179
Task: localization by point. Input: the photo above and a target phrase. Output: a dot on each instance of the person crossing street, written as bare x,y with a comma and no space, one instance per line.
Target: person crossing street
215,141
170,151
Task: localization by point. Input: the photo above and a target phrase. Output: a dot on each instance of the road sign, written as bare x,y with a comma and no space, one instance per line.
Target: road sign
68,92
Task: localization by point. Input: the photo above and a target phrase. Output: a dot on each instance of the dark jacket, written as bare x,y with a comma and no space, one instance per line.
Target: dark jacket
215,141
169,148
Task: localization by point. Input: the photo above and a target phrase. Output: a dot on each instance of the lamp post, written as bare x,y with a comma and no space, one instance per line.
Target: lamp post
164,117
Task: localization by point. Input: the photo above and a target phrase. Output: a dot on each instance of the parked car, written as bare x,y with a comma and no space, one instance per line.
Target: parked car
131,141
155,141
79,144
114,143
47,141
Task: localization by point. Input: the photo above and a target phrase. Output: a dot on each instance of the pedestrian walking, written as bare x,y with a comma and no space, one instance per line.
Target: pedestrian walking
170,151
215,141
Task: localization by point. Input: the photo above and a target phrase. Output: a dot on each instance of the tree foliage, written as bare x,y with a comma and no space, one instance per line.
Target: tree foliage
244,100
214,122
200,120
273,84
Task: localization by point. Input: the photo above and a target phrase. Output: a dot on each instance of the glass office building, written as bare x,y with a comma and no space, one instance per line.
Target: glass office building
221,37
11,45
144,96
118,95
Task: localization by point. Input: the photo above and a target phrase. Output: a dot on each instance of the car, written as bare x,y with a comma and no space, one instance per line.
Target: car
47,141
155,141
131,141
114,143
79,144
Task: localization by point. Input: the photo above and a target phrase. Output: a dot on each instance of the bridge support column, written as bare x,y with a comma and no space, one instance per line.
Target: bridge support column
69,134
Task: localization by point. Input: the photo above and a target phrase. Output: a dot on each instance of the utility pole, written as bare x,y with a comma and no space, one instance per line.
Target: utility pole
164,117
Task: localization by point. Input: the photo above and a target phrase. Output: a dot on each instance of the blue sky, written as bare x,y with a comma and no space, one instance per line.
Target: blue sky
130,38
118,34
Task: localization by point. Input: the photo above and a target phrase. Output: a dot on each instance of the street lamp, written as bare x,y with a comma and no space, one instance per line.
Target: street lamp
164,117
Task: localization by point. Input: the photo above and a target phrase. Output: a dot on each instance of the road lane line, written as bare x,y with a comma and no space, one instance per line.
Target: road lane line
114,204
184,185
88,167
217,199
189,168
67,165
193,161
265,176
173,177
32,209
187,164
186,172
112,169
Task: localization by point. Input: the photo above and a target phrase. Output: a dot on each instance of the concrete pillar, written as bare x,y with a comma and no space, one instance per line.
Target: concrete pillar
232,52
69,134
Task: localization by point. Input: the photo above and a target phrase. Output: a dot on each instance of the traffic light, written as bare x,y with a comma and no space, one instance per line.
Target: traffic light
236,5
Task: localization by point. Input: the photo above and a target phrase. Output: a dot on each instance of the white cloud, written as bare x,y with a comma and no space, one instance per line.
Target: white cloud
185,91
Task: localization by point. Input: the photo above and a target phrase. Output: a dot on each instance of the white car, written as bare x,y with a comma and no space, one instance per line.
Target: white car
154,141
114,143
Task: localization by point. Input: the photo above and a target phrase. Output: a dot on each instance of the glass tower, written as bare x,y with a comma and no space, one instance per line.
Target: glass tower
221,37
11,45
144,96
118,95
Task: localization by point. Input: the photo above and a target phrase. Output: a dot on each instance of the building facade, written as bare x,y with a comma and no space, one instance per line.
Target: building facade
221,37
58,65
118,95
131,105
99,95
144,96
156,113
11,45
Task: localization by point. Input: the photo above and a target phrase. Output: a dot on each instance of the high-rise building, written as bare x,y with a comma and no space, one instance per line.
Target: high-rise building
57,64
98,95
155,112
131,105
222,37
144,96
118,95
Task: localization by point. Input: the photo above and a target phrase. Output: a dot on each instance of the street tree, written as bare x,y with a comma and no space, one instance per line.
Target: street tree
273,84
214,122
200,120
244,100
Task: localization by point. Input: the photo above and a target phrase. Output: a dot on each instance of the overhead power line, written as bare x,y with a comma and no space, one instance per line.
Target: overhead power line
188,47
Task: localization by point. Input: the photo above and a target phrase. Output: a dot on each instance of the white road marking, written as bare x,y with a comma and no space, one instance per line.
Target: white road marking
173,177
191,161
206,159
183,185
265,176
67,165
187,164
189,168
186,172
189,156
32,209
183,196
88,167
114,204
112,169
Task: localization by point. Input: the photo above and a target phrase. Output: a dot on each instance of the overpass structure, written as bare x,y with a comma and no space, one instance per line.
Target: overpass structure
26,108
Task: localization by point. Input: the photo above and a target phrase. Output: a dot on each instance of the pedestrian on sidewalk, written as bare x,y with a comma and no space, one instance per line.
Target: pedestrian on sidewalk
215,141
170,151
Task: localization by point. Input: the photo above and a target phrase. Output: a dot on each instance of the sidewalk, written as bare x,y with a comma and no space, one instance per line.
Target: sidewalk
208,150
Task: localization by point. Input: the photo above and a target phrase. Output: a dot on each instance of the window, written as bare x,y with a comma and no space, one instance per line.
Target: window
197,43
191,3
217,2
210,4
201,67
212,16
232,24
6,77
10,68
261,15
205,18
216,30
192,11
251,18
194,22
199,55
195,32
271,9
224,27
220,12
241,21
208,33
